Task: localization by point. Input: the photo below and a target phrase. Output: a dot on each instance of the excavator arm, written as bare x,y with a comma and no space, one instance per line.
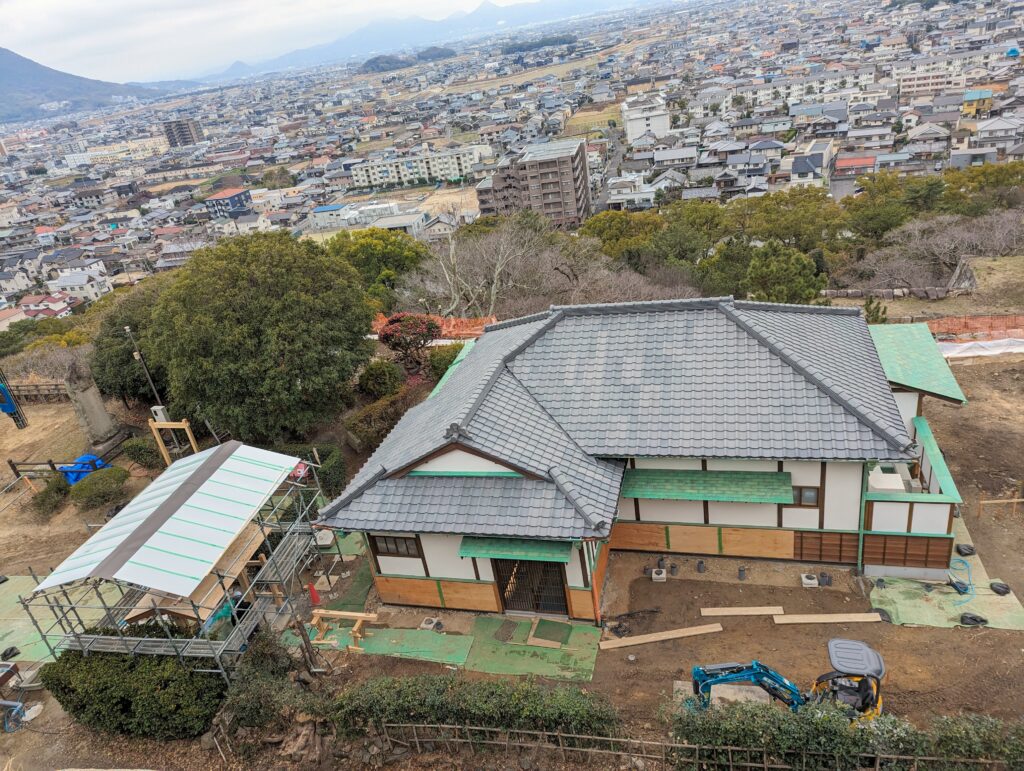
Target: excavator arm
755,673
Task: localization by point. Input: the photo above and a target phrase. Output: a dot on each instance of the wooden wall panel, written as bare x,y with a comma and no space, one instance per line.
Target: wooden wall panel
408,591
687,539
637,536
748,542
825,547
581,604
905,551
464,595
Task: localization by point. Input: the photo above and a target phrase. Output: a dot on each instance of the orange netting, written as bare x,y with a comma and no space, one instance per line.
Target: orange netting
451,328
979,327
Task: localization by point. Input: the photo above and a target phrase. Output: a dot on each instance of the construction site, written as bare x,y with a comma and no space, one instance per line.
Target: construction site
220,544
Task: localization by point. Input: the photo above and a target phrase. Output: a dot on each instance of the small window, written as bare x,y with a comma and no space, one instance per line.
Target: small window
805,496
389,546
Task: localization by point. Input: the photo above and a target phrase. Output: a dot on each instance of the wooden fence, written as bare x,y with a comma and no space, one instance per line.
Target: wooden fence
622,752
40,392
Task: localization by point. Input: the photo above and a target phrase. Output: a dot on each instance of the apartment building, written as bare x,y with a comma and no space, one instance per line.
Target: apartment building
645,114
182,132
550,178
409,169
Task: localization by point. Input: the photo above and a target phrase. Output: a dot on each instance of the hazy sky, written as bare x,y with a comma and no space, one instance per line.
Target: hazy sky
151,39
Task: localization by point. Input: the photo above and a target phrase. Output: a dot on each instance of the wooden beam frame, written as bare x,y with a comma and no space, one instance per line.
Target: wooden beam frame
181,425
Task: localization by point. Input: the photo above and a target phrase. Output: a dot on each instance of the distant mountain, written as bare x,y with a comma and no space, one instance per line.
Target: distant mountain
26,85
388,35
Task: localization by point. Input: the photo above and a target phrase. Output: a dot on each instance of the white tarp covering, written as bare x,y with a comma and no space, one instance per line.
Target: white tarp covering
182,549
982,348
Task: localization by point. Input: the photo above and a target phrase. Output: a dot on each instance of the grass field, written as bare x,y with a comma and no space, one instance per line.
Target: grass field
588,121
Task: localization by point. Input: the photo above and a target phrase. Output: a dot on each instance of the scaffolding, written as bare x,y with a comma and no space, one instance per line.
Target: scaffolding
254,584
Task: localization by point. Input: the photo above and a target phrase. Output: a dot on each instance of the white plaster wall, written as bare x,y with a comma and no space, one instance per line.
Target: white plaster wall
573,568
801,518
442,555
677,464
626,510
890,516
930,518
401,566
460,460
725,513
715,464
842,495
486,571
671,511
907,402
805,473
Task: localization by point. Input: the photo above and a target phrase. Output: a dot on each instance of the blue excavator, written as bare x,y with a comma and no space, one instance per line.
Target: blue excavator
855,681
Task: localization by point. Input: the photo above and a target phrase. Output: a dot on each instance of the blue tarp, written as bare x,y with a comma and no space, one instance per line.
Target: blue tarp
81,467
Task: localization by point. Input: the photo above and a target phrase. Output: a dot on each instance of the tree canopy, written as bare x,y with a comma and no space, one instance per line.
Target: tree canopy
262,335
381,257
781,274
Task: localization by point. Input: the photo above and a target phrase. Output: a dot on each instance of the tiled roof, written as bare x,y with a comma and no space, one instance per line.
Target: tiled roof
563,396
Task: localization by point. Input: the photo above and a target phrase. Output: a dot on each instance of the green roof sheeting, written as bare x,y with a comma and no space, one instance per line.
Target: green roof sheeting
912,359
515,549
737,486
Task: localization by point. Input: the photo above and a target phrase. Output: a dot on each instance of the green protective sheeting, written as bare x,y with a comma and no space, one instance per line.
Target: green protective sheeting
420,644
908,604
353,599
466,348
553,631
16,627
911,358
694,485
515,549
574,661
350,544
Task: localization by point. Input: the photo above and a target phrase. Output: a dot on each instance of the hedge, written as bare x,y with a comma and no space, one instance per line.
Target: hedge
441,358
373,422
100,487
51,497
333,474
827,729
445,699
381,378
146,696
142,450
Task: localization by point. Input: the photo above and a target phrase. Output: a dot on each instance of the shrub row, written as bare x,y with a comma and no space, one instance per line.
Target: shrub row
825,728
150,696
381,378
51,497
142,450
99,488
372,423
514,704
440,359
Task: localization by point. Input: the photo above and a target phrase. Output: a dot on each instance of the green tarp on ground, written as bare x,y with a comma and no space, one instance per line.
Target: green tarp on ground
694,485
908,604
353,599
574,661
420,644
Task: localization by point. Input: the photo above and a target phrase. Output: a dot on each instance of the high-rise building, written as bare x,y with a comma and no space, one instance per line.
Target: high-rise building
549,178
182,132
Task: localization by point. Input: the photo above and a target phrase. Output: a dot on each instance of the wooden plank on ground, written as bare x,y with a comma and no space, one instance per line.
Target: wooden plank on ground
828,618
750,610
671,634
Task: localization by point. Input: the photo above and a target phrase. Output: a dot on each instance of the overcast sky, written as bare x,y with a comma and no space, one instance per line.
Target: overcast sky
123,40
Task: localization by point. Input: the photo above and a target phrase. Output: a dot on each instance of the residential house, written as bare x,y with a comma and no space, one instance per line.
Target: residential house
565,435
234,200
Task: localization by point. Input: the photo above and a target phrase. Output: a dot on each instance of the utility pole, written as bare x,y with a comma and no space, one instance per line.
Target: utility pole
142,360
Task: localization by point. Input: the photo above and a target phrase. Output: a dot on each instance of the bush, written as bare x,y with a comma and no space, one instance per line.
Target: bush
826,728
100,488
441,358
381,378
333,474
261,689
513,704
148,696
51,497
142,450
373,422
407,334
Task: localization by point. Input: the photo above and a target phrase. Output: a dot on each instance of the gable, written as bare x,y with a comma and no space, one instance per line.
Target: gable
459,462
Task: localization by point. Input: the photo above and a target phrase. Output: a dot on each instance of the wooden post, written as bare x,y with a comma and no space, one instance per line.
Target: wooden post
191,436
160,442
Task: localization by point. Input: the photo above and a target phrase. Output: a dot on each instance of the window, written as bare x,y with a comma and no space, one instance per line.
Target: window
389,546
805,496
